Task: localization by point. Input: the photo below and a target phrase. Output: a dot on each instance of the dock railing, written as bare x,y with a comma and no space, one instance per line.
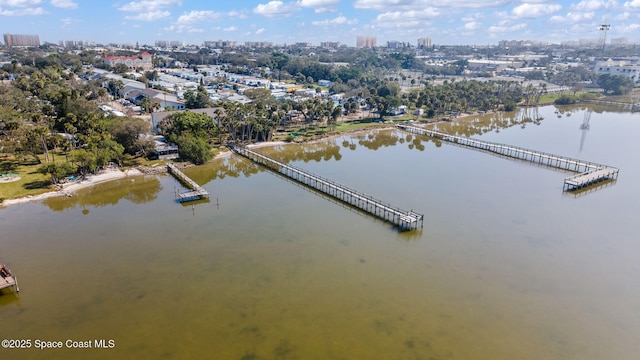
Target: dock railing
589,173
197,191
403,219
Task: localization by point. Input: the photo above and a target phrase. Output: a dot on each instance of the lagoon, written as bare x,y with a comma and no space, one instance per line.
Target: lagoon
507,266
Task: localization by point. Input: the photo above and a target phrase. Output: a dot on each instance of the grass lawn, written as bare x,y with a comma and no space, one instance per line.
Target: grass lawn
30,183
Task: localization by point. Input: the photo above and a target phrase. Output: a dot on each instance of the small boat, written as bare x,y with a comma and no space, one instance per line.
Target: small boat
7,279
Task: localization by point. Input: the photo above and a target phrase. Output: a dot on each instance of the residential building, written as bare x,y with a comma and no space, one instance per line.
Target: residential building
424,42
167,101
258,44
395,45
366,41
76,43
330,45
144,61
169,43
220,44
623,68
11,40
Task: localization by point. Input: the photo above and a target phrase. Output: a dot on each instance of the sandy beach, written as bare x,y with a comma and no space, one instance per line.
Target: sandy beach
69,189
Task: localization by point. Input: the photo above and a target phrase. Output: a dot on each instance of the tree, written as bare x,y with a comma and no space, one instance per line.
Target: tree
129,132
188,122
615,84
197,100
58,171
120,68
193,149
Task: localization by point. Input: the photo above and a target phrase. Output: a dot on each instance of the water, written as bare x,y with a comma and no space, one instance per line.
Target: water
507,266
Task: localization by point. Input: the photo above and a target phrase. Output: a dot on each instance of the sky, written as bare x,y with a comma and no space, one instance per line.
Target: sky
446,22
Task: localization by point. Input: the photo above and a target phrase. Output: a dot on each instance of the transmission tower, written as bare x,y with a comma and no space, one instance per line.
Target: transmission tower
603,36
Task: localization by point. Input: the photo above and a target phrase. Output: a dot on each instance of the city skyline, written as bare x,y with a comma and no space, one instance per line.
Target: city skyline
471,22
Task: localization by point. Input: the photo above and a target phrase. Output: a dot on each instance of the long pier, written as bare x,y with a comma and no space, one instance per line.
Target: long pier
404,220
197,192
589,173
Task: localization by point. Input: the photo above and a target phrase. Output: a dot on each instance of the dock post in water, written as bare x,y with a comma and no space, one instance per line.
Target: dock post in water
404,220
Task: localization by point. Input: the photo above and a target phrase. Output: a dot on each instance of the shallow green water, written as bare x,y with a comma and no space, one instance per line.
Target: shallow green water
506,266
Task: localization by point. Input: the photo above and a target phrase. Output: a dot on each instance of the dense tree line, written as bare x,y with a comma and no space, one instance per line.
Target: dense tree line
48,109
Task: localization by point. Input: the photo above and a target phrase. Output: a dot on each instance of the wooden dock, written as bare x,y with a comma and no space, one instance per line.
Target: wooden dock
7,279
404,220
197,192
589,173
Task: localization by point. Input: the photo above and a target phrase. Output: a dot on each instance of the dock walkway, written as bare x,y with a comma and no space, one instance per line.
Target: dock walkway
404,220
197,192
589,173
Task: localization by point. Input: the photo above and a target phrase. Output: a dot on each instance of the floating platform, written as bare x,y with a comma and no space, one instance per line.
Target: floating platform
197,192
590,178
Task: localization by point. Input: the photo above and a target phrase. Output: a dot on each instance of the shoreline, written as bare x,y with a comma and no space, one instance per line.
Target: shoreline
116,174
70,188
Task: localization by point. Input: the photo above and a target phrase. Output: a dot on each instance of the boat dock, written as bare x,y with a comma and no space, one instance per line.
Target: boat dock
404,220
7,279
197,192
588,173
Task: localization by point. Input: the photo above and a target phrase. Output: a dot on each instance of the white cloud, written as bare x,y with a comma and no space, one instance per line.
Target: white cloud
506,29
20,3
471,25
149,10
260,31
632,5
196,16
64,4
340,20
573,17
149,16
187,22
22,12
428,13
320,6
593,5
149,5
276,8
20,7
535,10
390,5
230,28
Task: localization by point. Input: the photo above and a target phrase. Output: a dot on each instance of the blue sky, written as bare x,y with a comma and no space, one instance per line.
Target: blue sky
470,22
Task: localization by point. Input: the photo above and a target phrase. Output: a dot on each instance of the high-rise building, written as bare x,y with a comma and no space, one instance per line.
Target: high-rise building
76,43
21,40
424,42
366,41
395,45
258,44
169,43
217,44
330,45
